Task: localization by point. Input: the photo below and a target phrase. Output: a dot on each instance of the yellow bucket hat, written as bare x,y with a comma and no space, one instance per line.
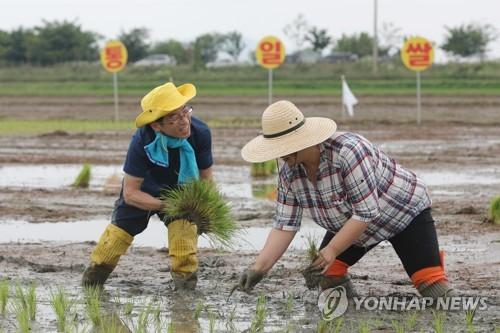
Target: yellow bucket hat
162,100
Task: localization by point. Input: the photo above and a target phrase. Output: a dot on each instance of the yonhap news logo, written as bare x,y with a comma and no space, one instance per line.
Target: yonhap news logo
333,303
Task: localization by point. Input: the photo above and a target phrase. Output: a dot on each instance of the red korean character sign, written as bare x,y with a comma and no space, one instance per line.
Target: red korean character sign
114,56
417,54
270,52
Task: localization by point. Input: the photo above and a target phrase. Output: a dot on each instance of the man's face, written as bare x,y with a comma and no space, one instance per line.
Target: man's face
176,124
290,159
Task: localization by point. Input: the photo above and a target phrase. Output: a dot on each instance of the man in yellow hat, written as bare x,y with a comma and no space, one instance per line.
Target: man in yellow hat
170,147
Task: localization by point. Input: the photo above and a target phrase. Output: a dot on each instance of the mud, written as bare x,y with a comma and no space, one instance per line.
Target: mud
457,148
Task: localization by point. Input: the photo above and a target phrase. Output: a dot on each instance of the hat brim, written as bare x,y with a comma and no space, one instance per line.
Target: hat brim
314,131
186,93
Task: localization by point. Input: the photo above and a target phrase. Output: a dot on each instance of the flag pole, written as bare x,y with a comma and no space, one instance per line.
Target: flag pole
342,78
270,83
419,102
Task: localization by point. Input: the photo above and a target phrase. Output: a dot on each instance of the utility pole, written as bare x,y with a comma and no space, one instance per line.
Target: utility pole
375,38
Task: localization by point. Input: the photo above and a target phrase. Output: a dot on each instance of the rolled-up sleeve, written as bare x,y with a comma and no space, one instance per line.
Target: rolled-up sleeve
358,172
288,215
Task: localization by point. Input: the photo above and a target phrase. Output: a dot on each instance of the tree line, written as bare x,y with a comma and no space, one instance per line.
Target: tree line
65,41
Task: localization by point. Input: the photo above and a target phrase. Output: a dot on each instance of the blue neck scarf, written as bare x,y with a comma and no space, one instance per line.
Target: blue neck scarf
157,152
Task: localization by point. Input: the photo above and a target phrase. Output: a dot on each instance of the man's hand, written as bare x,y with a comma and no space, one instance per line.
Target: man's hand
249,279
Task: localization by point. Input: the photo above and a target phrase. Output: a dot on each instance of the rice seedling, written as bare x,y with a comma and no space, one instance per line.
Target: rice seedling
22,315
289,304
259,318
93,305
27,300
439,319
128,307
469,320
230,320
112,323
411,322
322,326
83,178
264,169
337,325
494,213
31,301
170,327
399,327
201,202
143,320
197,310
312,249
364,326
212,318
61,304
4,295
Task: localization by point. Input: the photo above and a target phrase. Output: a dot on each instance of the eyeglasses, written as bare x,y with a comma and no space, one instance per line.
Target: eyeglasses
176,118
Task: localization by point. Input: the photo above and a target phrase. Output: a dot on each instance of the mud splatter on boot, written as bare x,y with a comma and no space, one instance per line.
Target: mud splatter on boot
184,281
95,275
334,281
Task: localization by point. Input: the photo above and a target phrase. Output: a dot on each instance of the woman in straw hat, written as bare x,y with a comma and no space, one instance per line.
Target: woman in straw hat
170,147
359,194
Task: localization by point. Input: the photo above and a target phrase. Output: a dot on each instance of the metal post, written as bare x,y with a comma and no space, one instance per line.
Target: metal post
115,91
419,116
375,37
270,88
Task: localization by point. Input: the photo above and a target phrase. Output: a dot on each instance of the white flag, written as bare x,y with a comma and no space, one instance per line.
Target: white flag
348,98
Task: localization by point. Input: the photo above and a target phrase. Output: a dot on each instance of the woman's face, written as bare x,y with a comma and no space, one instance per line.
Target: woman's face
290,159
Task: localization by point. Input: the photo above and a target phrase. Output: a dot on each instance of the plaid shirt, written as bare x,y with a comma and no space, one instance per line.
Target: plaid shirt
355,180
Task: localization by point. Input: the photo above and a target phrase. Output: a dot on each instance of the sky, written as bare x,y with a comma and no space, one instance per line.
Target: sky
186,19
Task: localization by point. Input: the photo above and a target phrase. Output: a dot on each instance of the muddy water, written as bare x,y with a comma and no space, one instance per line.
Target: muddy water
234,181
250,239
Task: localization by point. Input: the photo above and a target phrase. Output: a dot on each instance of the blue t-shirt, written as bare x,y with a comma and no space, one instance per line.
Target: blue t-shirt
157,178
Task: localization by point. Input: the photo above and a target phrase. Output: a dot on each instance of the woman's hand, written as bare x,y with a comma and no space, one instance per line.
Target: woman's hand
325,259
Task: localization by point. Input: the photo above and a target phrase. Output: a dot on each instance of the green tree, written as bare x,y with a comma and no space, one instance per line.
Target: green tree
297,31
205,49
4,44
173,48
318,38
359,44
57,42
136,41
233,44
469,40
17,45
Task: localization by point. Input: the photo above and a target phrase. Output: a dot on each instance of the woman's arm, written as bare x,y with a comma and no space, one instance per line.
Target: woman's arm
276,244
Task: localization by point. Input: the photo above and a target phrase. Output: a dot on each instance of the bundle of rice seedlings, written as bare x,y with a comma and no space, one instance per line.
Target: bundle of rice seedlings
200,202
83,178
264,169
494,214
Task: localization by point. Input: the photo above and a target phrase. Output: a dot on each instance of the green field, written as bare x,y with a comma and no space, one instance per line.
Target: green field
320,79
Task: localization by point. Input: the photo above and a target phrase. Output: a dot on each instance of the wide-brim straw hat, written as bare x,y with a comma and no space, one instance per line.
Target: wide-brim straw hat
162,100
286,131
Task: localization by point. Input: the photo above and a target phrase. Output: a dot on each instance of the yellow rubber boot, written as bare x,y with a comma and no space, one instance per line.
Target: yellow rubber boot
183,248
113,243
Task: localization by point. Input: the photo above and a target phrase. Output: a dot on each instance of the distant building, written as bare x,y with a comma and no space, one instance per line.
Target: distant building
307,56
156,60
339,57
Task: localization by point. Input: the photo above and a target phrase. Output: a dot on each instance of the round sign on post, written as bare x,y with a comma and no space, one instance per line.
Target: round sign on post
114,56
417,54
270,52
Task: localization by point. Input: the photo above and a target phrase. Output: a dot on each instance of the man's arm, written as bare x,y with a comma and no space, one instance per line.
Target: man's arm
133,195
276,244
206,174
